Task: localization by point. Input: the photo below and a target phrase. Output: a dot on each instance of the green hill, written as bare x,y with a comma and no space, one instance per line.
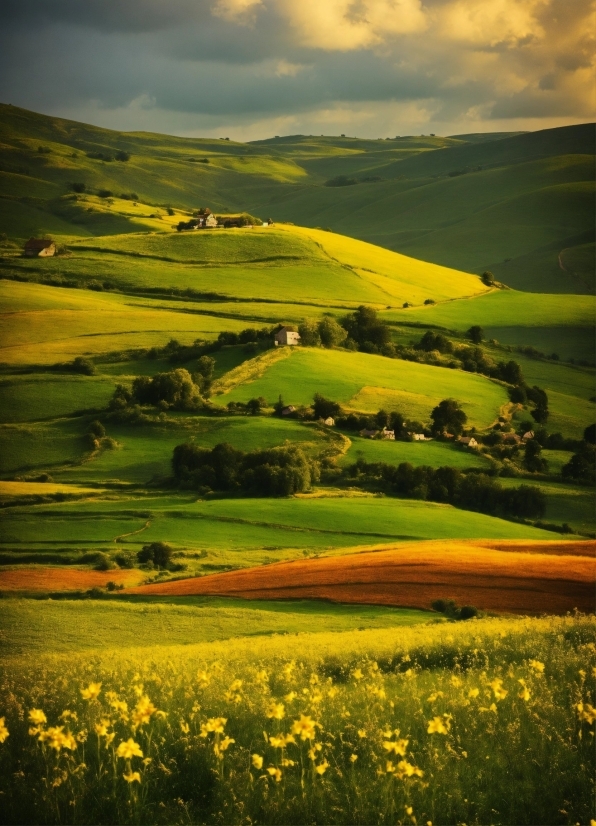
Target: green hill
512,203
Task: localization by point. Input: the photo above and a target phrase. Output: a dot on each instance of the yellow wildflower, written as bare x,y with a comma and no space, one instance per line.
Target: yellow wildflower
91,692
262,676
537,666
497,687
473,693
281,742
305,727
432,697
353,758
226,743
397,746
204,678
4,733
236,685
357,674
313,750
143,711
289,698
257,761
409,810
586,712
184,727
439,725
333,692
288,669
128,749
37,716
276,711
287,762
215,725
389,767
322,767
455,681
131,777
524,694
405,769
276,773
362,733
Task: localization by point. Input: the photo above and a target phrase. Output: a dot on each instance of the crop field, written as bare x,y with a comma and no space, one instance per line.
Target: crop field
415,575
359,725
434,454
33,578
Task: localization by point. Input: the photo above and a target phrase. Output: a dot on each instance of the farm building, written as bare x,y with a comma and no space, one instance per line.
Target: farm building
40,248
329,421
467,441
206,221
287,411
511,438
527,436
388,435
418,437
287,335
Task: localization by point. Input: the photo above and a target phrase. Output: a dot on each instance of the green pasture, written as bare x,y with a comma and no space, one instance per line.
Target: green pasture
567,342
573,504
68,626
433,454
38,446
38,396
145,451
366,382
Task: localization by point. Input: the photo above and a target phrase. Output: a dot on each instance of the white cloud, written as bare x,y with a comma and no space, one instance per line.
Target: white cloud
243,12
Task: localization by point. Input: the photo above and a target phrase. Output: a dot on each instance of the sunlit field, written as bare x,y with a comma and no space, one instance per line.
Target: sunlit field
444,724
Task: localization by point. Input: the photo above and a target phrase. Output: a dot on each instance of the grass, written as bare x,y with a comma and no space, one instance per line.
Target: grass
364,382
434,454
72,625
433,716
38,396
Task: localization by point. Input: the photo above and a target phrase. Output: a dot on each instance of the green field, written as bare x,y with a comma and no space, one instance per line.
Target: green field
434,454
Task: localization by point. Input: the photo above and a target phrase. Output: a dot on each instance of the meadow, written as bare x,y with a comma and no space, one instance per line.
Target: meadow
403,725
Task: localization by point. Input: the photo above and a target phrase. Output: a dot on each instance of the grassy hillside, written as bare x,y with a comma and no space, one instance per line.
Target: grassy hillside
512,203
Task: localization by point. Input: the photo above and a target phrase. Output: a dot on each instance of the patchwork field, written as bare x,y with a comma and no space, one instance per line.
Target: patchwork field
503,579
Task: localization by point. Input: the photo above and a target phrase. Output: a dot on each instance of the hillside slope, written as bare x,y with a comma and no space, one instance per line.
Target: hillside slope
462,202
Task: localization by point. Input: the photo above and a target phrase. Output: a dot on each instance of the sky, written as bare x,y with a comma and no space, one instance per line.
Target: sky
252,69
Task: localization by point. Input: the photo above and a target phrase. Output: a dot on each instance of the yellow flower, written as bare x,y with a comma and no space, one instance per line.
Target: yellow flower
215,725
236,685
262,676
397,746
524,694
313,750
226,743
473,693
333,692
91,692
455,681
322,767
37,716
537,666
497,687
184,727
288,669
281,741
128,749
57,739
389,768
289,698
275,773
405,769
305,727
276,711
204,678
130,777
286,762
432,697
357,674
4,733
353,758
439,725
362,733
409,810
143,711
586,712
257,761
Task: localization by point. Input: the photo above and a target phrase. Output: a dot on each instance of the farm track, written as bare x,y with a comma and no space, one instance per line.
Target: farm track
516,577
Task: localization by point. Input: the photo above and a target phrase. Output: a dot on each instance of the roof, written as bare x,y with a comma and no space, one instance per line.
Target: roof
38,243
288,328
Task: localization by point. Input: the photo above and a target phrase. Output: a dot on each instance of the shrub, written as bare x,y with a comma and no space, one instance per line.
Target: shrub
83,365
78,186
104,563
448,416
159,553
105,193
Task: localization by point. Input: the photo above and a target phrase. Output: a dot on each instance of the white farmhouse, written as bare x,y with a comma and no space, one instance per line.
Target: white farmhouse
287,335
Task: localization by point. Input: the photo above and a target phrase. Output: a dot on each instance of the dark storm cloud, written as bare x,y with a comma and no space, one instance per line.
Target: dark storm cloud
280,58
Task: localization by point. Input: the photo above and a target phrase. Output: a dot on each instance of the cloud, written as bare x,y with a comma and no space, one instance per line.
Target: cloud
381,66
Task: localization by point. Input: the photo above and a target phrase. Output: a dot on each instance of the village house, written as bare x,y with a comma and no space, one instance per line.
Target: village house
418,437
206,221
511,438
40,248
329,421
287,335
287,411
389,435
528,435
467,441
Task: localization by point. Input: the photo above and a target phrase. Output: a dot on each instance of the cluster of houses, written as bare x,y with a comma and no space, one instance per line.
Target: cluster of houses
205,219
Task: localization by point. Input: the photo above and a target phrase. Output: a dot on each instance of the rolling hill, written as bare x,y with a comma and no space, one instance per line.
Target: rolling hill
518,204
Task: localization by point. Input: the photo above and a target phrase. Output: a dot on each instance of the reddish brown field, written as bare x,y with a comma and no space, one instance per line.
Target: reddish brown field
32,578
517,577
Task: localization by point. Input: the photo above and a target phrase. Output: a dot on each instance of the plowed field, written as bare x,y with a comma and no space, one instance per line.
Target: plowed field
30,578
519,577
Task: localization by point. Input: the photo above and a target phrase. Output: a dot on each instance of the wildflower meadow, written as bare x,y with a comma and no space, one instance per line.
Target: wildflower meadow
490,721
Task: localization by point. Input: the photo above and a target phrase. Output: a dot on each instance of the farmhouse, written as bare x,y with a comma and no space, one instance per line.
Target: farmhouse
527,436
467,441
40,248
287,411
207,221
329,421
389,435
287,335
418,437
511,438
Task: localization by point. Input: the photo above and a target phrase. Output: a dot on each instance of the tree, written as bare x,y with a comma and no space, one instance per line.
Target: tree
475,333
323,408
364,327
510,372
159,553
533,461
331,333
488,278
309,333
590,434
84,366
582,465
174,389
253,406
448,416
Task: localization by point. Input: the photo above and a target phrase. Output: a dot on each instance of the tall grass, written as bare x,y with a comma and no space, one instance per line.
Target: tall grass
446,724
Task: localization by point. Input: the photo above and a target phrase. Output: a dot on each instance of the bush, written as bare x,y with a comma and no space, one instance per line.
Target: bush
104,563
448,417
159,553
105,193
121,155
83,365
174,389
78,186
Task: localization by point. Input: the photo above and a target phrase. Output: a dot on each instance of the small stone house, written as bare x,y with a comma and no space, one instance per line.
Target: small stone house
40,248
287,411
418,437
468,441
389,435
329,421
527,436
287,335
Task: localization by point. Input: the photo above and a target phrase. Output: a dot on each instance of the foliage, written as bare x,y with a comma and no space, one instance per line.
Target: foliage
323,408
476,333
533,461
582,465
278,471
174,389
365,328
448,417
471,491
159,553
